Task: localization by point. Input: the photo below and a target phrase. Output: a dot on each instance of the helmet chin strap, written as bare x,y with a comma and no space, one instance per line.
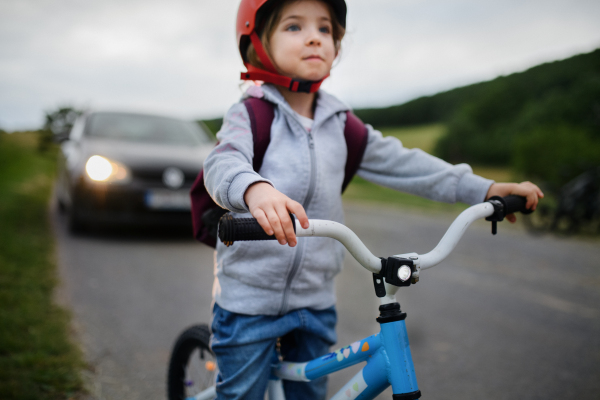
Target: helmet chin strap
270,75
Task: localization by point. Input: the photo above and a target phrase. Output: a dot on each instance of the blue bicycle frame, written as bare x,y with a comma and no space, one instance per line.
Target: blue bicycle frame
389,362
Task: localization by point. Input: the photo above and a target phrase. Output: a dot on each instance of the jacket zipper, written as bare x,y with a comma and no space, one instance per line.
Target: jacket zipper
305,203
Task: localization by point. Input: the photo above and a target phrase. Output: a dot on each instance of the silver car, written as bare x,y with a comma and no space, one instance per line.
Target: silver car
129,169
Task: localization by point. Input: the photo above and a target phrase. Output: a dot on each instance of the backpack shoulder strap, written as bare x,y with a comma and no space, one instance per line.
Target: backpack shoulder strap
262,114
357,136
205,212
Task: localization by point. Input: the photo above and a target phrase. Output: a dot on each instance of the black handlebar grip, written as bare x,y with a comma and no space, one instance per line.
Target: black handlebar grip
232,229
513,204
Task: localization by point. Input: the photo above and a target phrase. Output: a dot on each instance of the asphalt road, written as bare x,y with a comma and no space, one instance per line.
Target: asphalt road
511,316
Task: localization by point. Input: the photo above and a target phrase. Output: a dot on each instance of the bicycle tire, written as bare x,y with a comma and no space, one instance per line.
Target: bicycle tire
192,367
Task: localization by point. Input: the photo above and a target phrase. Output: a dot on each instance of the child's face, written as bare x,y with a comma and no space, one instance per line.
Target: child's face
302,44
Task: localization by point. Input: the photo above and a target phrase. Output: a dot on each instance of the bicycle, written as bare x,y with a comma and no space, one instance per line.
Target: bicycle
573,208
192,368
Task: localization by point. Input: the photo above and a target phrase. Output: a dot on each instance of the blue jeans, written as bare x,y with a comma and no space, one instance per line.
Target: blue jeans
244,346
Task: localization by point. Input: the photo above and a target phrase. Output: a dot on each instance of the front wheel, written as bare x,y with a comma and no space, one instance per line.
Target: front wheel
193,367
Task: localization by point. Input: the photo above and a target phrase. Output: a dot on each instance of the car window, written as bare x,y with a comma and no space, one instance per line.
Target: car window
146,128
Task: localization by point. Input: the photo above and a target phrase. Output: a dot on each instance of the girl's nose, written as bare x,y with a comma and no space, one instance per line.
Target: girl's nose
313,38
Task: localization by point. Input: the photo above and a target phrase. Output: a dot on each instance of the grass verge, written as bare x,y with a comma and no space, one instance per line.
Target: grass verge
423,137
37,359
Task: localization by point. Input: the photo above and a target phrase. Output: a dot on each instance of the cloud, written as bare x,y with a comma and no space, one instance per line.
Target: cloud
180,57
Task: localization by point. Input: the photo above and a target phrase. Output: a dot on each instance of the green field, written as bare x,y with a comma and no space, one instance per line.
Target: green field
423,137
37,359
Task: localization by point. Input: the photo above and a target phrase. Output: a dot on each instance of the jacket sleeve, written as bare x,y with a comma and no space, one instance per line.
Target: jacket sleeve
387,163
228,170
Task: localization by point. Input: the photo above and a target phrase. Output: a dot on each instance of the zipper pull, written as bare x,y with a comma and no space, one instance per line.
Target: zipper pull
311,144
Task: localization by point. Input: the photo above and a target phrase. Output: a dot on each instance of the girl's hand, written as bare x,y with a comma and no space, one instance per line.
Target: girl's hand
271,208
525,189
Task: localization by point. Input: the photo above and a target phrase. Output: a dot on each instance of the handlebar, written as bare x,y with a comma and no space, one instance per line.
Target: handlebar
510,205
495,209
234,229
514,204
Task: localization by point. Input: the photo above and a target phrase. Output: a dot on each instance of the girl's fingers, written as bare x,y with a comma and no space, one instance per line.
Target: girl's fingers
535,194
297,209
275,222
263,221
530,191
271,209
286,224
527,200
535,200
512,218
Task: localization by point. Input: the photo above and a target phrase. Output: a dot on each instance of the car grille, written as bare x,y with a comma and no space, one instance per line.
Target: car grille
155,178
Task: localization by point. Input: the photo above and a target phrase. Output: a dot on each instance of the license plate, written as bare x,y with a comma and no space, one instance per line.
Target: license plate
168,200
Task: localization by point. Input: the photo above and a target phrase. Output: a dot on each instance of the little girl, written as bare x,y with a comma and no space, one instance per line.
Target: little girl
262,290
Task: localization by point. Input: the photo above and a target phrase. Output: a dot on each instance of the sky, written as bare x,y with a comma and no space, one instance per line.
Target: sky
180,58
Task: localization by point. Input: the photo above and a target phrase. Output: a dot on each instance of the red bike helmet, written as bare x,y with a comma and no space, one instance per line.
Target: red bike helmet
246,26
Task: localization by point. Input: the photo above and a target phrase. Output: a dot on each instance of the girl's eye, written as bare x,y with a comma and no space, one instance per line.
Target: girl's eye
325,29
293,28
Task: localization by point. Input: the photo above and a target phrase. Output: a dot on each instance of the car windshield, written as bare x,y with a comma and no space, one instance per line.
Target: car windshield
146,128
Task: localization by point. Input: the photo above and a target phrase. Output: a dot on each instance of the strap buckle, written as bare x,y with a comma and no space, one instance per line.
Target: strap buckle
301,86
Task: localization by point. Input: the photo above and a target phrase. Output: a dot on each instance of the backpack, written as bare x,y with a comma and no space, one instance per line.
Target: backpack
206,213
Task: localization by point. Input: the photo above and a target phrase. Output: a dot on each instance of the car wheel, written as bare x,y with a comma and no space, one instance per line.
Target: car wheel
75,222
61,206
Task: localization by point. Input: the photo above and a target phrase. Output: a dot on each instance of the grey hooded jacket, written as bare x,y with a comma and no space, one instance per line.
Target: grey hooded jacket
270,279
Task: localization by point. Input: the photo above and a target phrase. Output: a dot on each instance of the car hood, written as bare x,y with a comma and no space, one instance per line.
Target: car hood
142,156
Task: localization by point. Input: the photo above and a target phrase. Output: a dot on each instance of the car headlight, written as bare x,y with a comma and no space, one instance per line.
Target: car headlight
101,169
